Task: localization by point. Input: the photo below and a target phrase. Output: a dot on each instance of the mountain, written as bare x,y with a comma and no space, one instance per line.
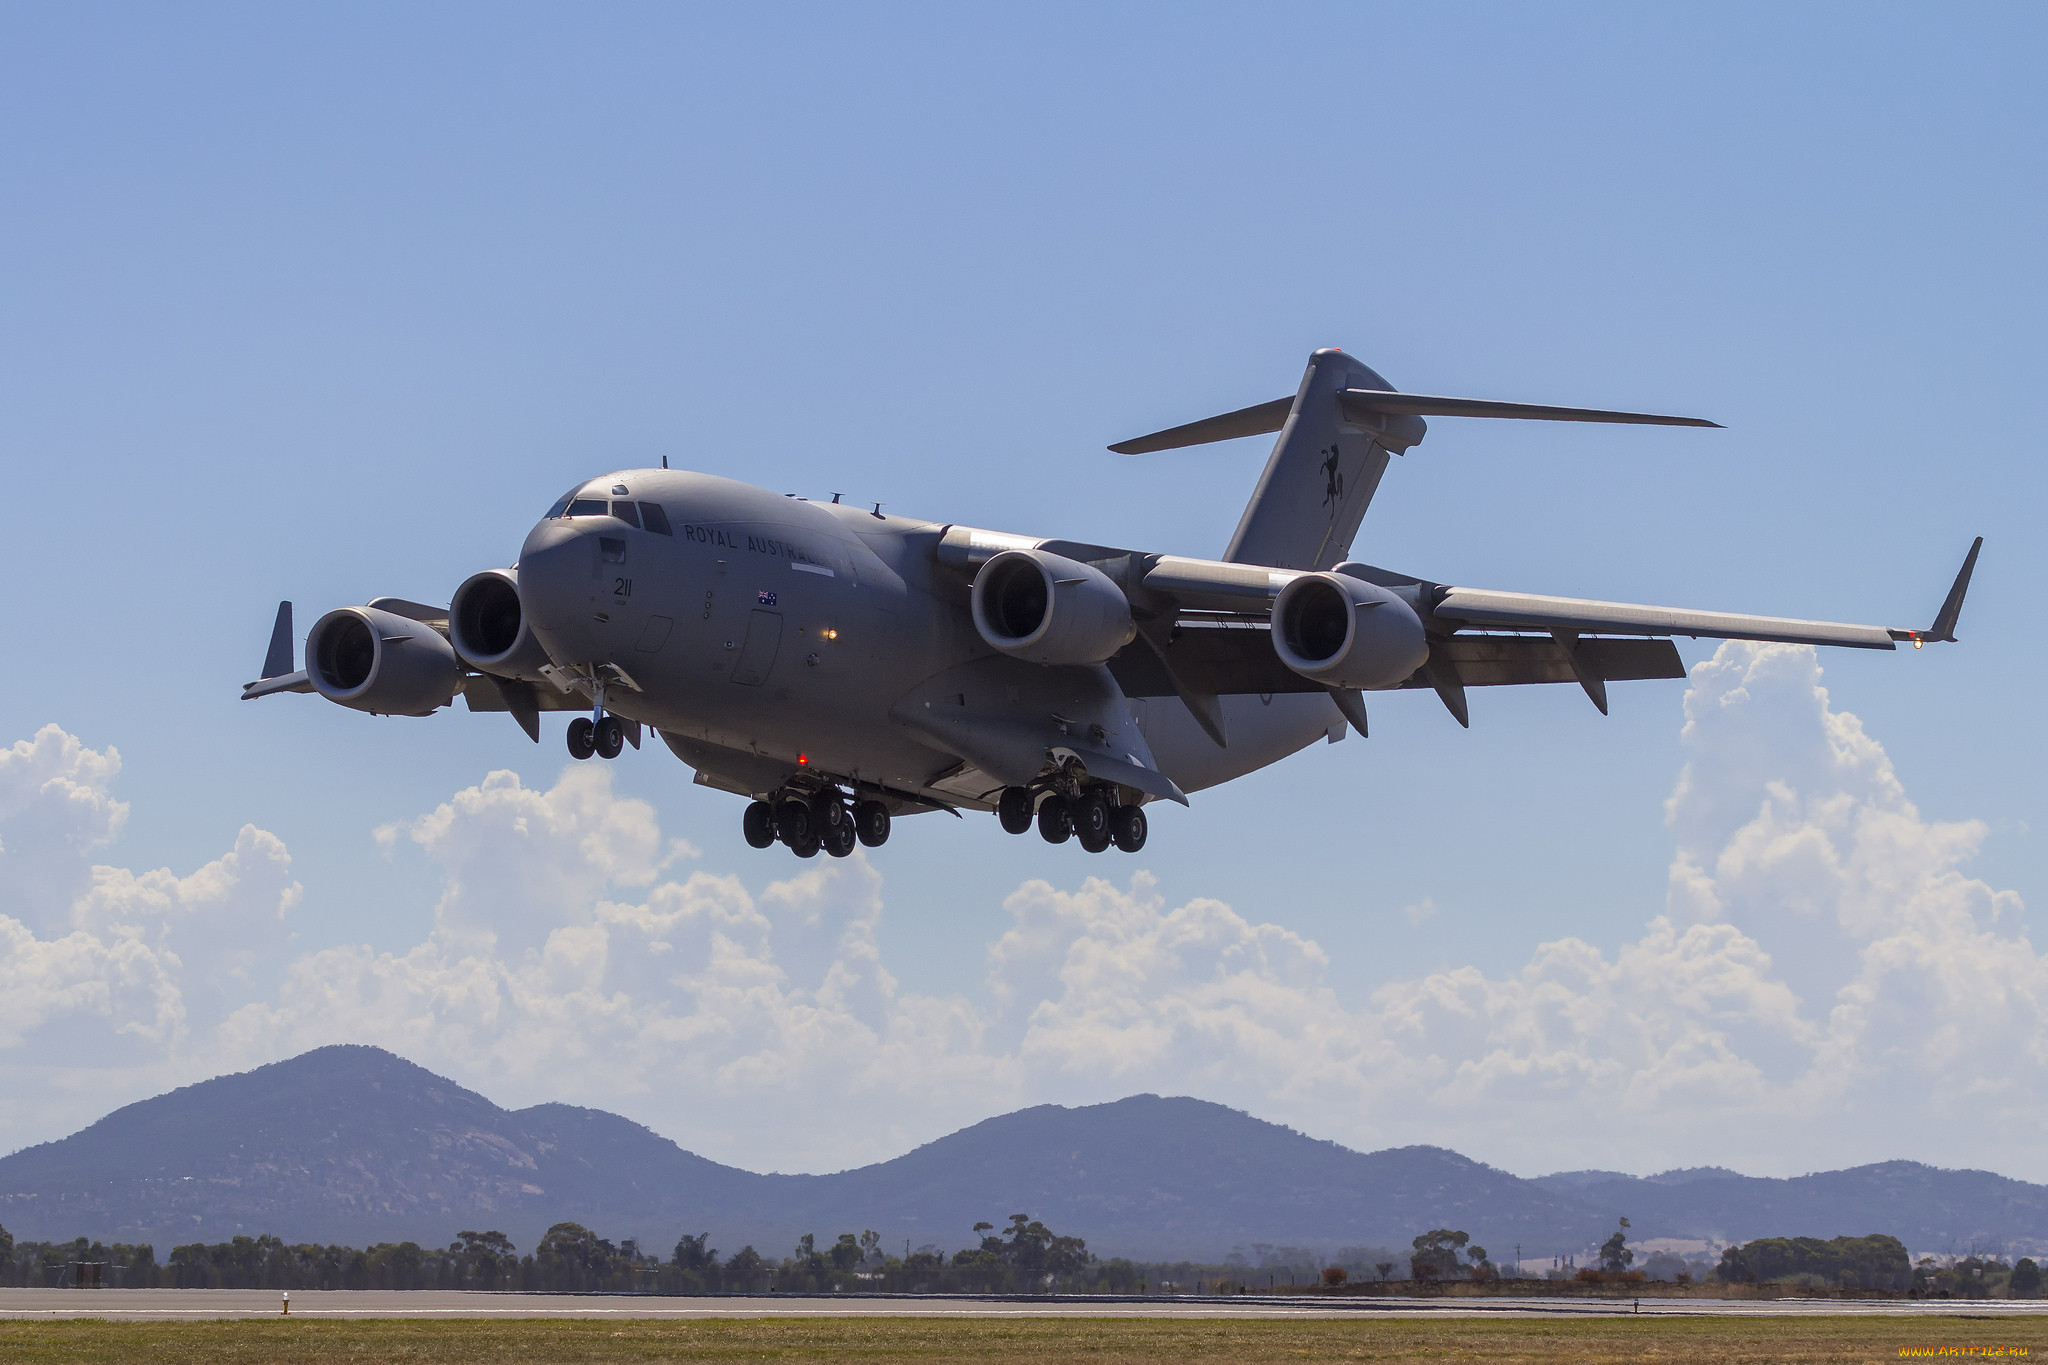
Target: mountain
354,1145
1929,1209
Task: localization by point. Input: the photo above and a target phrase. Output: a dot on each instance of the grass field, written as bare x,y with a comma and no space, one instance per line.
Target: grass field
884,1341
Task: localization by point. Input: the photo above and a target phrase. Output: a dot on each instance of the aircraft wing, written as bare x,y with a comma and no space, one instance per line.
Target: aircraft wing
1210,636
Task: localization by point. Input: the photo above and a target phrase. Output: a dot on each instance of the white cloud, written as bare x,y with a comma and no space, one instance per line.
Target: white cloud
1824,983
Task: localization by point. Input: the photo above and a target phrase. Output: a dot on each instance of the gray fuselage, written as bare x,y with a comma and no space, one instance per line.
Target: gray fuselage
769,636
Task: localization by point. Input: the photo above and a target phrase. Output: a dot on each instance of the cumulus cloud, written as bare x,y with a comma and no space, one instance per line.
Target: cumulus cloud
1824,978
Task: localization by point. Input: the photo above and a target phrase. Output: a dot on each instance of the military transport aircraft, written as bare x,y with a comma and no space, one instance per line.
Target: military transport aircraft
839,667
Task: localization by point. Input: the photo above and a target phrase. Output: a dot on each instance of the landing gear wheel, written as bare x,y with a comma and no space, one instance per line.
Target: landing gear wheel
609,736
871,822
1013,808
1127,825
793,825
828,812
758,824
807,847
839,837
1055,819
1091,821
580,743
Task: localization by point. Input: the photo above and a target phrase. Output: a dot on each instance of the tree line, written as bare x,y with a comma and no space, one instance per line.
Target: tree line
1023,1257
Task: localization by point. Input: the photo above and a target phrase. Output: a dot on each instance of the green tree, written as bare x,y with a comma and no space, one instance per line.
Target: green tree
484,1260
6,1249
1614,1253
845,1253
1436,1255
746,1271
2026,1279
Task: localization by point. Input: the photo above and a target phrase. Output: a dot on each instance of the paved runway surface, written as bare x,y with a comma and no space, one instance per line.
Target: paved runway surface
188,1304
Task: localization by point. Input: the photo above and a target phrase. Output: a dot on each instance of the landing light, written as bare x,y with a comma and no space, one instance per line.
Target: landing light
830,634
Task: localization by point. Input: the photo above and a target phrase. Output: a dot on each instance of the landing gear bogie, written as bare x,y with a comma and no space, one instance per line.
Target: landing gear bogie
808,820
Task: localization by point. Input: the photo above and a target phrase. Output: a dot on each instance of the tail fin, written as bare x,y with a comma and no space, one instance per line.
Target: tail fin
1322,474
1335,437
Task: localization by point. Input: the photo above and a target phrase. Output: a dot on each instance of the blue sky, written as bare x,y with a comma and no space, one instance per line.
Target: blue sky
326,303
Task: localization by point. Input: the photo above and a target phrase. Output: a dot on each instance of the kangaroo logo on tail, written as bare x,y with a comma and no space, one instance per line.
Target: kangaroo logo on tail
1333,480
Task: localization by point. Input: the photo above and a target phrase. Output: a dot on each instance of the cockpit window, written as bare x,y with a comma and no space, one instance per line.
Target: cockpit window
560,507
626,512
655,518
588,507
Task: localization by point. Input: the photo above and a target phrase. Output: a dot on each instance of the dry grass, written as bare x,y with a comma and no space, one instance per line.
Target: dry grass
885,1341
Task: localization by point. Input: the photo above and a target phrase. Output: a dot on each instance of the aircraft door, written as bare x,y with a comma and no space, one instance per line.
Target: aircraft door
757,652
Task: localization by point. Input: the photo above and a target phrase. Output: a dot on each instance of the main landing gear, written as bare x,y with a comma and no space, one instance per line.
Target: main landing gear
1090,814
810,821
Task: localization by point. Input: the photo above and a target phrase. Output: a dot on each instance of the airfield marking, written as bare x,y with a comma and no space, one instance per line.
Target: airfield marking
175,1304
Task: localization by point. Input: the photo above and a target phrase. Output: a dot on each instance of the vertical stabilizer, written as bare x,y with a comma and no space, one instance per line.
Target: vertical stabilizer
1323,471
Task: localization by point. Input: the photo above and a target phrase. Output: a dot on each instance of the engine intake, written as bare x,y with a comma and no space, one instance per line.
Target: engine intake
1047,609
371,660
1344,632
487,625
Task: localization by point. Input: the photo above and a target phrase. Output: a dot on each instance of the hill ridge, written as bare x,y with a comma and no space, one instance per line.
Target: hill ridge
354,1144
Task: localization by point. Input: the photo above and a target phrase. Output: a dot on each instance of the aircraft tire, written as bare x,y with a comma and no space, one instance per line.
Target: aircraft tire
871,823
794,825
1091,821
1055,819
839,837
1128,825
1013,808
759,824
580,741
609,737
807,847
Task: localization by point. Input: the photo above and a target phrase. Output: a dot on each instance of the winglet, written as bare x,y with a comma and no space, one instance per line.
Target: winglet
1943,631
278,660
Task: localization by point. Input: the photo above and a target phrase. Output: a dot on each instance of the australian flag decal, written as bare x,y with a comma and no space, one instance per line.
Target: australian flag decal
766,599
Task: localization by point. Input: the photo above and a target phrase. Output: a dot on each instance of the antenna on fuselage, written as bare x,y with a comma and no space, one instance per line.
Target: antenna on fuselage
664,462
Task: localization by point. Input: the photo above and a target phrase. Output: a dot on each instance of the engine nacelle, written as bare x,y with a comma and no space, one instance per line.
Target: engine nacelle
487,625
1048,609
374,661
1344,632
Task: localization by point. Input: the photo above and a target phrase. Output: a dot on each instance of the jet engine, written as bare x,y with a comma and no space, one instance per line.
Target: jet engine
1046,609
374,661
1345,632
487,626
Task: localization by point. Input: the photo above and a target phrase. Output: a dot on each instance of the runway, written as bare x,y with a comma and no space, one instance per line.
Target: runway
172,1305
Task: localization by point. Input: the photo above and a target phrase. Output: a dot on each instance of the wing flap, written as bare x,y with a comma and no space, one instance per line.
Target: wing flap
1236,659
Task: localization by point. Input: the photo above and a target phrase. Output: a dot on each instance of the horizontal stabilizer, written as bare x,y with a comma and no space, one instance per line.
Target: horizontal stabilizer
1388,401
1256,420
287,682
1366,407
